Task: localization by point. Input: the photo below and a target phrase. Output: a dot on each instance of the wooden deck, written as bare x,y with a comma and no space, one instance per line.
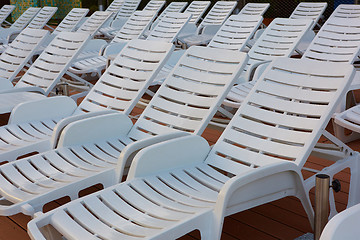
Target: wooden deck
281,219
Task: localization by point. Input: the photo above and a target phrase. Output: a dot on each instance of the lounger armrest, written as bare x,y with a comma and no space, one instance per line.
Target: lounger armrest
258,186
93,45
24,89
188,29
95,128
117,24
175,153
250,73
47,108
340,120
209,29
5,84
114,48
70,119
130,151
12,36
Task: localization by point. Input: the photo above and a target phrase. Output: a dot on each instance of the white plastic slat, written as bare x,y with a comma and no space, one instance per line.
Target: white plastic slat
190,99
171,193
151,209
227,165
31,173
167,118
287,106
117,203
61,220
243,160
306,95
178,108
90,222
109,217
158,197
276,133
197,9
281,119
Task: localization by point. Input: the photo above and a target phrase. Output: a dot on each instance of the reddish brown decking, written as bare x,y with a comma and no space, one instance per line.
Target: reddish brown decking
281,219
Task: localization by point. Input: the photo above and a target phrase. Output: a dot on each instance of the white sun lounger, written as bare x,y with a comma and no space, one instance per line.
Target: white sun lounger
43,75
182,185
165,31
202,34
18,53
5,11
119,88
87,150
18,25
234,34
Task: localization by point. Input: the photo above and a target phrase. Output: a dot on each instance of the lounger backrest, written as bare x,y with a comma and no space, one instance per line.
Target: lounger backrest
135,26
190,96
94,22
54,61
115,6
255,9
41,19
337,41
19,51
283,116
154,5
5,11
25,18
219,13
309,10
197,9
127,78
127,8
169,27
236,32
279,39
173,7
71,20
346,11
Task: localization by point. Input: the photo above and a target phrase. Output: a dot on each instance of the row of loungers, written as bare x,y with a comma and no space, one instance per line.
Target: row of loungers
174,181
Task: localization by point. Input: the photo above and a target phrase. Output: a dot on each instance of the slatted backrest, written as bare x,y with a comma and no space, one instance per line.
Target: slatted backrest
279,39
346,11
19,51
154,5
127,78
219,13
283,116
255,9
197,9
169,27
236,32
127,8
115,6
94,22
309,10
172,7
5,11
337,41
135,26
192,92
71,20
54,61
25,18
44,15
